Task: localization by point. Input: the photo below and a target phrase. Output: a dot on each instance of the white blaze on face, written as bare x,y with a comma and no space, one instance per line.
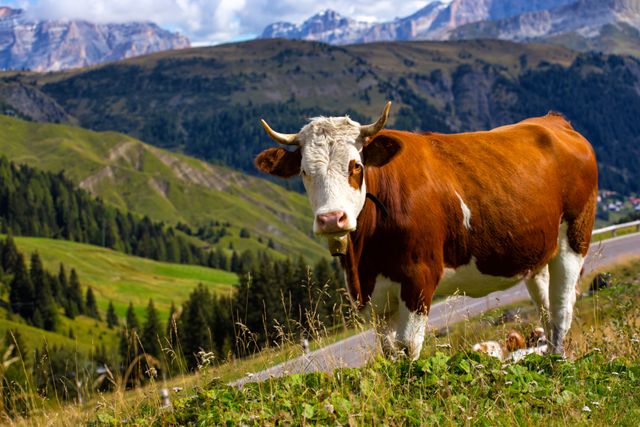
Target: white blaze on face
328,145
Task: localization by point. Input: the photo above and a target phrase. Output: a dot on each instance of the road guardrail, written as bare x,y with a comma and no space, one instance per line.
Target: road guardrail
613,228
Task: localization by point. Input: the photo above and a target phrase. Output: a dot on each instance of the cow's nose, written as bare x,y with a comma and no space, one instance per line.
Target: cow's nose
332,221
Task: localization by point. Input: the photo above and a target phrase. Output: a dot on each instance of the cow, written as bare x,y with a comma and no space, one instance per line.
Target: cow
472,213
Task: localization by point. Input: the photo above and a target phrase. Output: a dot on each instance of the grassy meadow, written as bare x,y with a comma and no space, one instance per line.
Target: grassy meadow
123,278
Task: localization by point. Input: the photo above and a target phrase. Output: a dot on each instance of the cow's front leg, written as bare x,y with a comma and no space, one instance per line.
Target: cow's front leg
412,327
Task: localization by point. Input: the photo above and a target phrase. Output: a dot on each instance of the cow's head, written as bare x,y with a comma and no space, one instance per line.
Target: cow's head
331,155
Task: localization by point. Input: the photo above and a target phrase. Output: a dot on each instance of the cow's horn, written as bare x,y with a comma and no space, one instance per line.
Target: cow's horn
371,130
282,138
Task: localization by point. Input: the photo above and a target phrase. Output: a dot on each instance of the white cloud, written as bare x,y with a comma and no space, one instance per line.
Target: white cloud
215,21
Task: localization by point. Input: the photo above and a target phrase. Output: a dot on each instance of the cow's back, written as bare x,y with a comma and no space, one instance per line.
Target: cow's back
498,197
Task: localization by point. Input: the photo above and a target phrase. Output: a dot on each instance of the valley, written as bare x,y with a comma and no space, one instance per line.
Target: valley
168,187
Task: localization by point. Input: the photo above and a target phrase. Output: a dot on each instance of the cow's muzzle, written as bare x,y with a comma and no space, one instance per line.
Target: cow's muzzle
334,223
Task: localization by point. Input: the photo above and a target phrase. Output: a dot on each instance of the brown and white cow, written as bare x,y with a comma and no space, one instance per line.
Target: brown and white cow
474,212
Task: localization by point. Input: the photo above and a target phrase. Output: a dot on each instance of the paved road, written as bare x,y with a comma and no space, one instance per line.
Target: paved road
357,350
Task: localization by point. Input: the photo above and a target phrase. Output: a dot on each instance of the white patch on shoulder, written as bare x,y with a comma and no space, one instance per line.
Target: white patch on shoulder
469,280
466,212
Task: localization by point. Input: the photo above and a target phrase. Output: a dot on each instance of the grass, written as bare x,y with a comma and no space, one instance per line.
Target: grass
123,278
448,385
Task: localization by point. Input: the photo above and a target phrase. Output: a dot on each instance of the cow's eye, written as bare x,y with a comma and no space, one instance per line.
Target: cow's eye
357,167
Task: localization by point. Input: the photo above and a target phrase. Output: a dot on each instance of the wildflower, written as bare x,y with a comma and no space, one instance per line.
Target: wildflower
635,340
177,389
533,383
596,349
443,345
253,417
505,366
595,403
152,372
608,388
329,408
586,409
98,406
615,373
508,383
480,366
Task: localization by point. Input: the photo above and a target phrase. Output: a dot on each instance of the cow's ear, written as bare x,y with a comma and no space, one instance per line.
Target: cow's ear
380,150
279,162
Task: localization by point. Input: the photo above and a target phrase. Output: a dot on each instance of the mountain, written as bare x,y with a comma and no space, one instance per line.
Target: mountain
433,22
168,187
610,26
57,45
208,102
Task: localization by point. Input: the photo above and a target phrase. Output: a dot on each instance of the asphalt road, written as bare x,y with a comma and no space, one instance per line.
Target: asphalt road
357,350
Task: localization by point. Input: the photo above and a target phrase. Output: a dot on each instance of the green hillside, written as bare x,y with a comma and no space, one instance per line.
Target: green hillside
167,187
124,278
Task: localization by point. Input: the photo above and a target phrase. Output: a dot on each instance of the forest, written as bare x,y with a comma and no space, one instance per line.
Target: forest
43,204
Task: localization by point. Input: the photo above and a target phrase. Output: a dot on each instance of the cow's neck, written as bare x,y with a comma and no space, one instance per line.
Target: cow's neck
369,220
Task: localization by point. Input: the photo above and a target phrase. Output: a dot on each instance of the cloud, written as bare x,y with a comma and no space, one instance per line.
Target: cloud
215,21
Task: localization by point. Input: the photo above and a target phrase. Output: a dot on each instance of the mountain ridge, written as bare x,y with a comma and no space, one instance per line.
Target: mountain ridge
432,22
57,45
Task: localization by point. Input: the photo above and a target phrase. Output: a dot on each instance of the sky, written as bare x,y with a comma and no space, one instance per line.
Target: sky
209,22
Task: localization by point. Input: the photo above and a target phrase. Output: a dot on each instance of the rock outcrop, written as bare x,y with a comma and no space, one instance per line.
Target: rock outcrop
32,103
57,45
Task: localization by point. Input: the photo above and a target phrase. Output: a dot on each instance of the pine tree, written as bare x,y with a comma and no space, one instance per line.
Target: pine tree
235,262
112,317
37,320
91,306
64,284
193,325
10,255
212,260
132,319
22,295
74,294
45,303
152,332
223,264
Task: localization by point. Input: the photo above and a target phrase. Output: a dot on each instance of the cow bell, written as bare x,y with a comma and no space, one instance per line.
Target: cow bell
338,247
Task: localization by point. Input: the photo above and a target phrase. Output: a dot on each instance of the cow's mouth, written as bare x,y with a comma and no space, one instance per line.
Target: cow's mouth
335,235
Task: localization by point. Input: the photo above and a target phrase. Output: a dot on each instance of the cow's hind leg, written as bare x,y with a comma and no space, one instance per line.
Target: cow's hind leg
538,287
564,272
411,331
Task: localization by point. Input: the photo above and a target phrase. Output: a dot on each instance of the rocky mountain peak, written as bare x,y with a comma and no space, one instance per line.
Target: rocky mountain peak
432,22
57,45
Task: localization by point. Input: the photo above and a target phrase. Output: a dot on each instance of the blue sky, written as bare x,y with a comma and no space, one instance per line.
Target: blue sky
208,22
